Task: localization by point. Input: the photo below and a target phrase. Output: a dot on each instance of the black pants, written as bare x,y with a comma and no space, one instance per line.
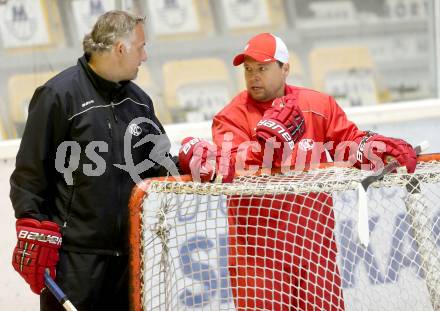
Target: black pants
91,282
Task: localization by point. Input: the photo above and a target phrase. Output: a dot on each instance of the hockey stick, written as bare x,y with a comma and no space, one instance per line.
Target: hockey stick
58,293
363,230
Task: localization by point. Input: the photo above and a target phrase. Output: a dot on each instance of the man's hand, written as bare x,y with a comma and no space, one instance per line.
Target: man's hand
36,250
198,158
386,148
284,121
203,161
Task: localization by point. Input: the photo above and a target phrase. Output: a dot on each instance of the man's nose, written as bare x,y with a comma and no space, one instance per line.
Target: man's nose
144,56
255,76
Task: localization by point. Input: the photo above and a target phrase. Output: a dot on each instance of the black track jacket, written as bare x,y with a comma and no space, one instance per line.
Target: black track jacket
79,106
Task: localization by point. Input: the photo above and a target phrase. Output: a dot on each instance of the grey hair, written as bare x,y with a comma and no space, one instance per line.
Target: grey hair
109,28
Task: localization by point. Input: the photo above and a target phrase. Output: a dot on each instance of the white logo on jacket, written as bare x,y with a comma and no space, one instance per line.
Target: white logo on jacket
85,104
135,129
306,144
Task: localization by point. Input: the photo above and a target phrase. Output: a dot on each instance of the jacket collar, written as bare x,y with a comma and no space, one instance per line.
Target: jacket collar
263,106
108,89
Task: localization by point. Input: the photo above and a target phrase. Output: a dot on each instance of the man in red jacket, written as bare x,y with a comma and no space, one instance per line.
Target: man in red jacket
282,251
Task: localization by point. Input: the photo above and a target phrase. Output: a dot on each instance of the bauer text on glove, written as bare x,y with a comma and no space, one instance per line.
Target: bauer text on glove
284,121
36,250
377,146
202,160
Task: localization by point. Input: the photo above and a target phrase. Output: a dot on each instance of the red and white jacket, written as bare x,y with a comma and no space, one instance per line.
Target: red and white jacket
326,125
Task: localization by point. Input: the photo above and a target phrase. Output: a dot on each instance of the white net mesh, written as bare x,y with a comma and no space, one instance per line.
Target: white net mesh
291,243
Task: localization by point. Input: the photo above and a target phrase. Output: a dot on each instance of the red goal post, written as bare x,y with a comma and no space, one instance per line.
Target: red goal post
179,237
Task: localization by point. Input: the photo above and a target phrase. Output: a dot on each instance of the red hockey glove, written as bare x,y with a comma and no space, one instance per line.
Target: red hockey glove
197,157
284,121
36,250
201,159
394,147
225,167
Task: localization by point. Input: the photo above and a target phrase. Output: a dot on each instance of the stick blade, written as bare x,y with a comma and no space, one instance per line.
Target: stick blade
363,230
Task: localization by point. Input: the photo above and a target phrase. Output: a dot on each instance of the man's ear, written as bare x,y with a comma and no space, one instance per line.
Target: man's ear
286,70
120,48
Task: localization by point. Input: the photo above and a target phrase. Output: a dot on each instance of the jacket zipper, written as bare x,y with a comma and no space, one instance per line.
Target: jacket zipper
118,216
109,125
112,105
69,206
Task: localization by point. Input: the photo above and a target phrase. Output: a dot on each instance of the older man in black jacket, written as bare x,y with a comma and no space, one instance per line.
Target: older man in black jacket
77,165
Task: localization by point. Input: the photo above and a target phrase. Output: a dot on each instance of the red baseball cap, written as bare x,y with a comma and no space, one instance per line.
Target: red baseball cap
264,48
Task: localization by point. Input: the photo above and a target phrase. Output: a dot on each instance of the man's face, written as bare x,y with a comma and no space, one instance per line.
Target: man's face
134,56
264,81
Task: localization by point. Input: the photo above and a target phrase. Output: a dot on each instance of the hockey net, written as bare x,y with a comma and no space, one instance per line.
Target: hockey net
183,245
